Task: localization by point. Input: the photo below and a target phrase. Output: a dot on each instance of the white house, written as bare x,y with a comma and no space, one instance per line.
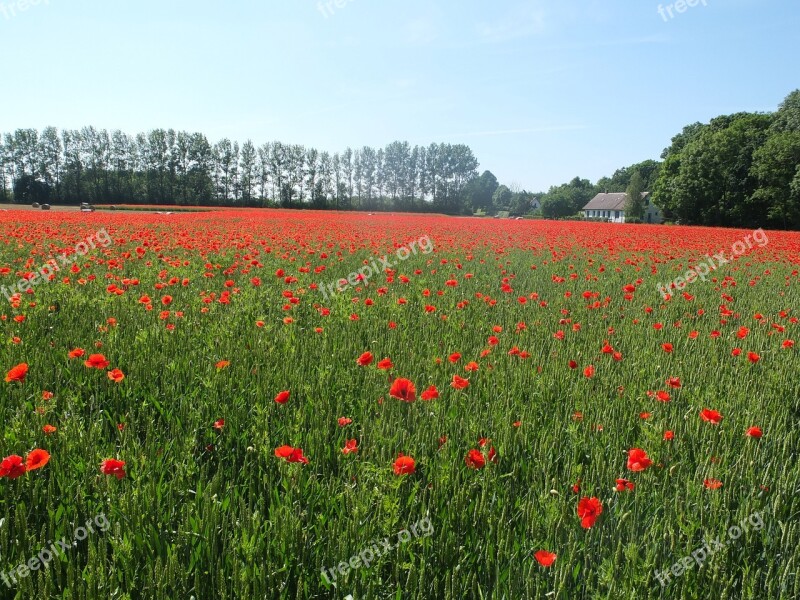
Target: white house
611,207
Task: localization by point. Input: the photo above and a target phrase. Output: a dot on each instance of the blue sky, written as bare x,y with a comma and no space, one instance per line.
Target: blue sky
541,90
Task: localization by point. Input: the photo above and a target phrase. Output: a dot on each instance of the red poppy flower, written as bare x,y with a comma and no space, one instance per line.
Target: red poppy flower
663,396
669,436
667,347
624,484
297,457
284,451
674,382
112,466
430,394
48,429
403,389
454,357
712,484
404,465
12,467
638,460
754,432
282,397
472,366
17,373
788,344
223,364
545,558
77,353
588,372
116,375
459,383
573,364
475,459
37,459
753,357
588,511
219,424
97,361
365,359
344,421
47,395
292,455
385,364
711,416
350,446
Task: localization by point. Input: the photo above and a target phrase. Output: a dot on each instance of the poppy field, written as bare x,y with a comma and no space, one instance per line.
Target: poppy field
511,409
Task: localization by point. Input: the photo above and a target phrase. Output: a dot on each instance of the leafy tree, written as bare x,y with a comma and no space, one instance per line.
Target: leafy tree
788,116
776,165
521,203
634,205
479,192
502,197
568,199
28,190
706,176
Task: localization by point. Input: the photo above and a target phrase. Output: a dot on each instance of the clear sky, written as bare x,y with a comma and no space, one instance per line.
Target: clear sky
542,90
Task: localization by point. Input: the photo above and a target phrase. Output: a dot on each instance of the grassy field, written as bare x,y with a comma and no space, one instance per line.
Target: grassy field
540,398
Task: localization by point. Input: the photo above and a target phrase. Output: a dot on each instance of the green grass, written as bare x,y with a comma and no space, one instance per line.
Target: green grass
209,513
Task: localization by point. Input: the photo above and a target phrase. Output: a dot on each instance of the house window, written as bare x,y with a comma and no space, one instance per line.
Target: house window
617,215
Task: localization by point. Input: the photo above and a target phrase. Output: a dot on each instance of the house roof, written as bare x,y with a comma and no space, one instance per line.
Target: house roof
610,201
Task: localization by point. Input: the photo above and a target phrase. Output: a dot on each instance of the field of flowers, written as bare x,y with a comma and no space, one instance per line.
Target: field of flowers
489,409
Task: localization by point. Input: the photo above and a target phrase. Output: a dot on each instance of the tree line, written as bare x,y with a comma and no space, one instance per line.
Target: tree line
165,167
740,170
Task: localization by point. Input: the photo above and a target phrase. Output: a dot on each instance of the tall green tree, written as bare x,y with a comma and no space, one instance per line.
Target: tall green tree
479,192
634,204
